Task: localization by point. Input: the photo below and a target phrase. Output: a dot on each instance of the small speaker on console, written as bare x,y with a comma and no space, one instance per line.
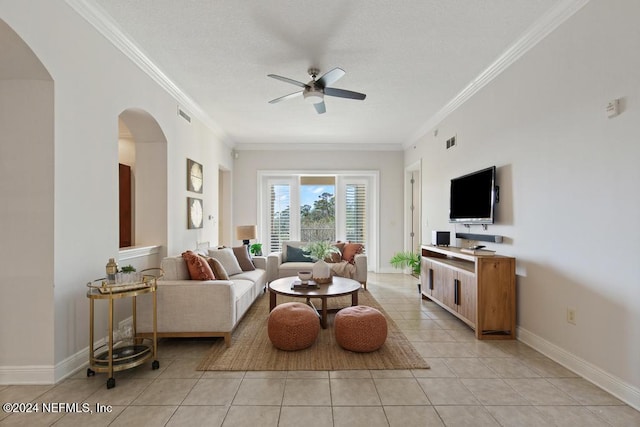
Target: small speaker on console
440,238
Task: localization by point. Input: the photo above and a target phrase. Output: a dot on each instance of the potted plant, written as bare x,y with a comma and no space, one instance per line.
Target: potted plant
320,251
256,249
127,274
128,269
407,259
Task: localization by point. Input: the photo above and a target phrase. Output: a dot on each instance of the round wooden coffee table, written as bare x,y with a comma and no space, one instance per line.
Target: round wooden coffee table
339,286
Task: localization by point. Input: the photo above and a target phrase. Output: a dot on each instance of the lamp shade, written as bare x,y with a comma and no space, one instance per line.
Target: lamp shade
246,232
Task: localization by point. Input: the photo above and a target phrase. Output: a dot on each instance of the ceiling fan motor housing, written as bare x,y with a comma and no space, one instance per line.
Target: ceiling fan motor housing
313,95
314,91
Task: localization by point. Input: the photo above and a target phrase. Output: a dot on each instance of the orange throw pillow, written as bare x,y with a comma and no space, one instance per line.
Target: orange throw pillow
199,269
350,251
336,257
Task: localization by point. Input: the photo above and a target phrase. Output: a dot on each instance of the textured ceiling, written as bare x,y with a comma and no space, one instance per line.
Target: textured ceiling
411,58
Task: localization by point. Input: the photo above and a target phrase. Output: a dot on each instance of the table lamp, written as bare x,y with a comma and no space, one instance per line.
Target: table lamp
246,233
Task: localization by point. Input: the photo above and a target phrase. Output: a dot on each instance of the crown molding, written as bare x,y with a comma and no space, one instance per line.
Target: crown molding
531,37
317,147
106,26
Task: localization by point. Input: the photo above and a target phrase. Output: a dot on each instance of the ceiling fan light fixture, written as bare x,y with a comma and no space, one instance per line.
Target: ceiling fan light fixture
314,91
313,96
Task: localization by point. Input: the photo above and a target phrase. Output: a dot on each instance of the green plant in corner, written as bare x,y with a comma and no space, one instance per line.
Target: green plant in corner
407,259
321,250
128,269
256,249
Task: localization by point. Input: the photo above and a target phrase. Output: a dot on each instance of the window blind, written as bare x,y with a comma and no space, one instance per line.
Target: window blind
356,213
280,215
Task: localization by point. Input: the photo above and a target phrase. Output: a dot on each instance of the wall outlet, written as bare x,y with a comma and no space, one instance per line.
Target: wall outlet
571,315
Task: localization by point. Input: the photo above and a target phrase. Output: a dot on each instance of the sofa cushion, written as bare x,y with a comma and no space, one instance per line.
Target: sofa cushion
242,255
297,255
218,269
288,269
350,251
256,276
227,258
198,267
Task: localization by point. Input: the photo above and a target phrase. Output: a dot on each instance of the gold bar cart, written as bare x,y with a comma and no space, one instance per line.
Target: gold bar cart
127,353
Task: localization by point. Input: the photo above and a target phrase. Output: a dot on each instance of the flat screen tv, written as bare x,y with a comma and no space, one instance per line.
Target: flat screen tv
473,196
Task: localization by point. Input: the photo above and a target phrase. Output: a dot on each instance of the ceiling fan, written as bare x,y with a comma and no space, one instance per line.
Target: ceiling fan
315,90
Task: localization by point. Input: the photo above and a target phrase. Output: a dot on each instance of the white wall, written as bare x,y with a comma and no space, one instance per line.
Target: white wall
93,83
569,198
26,221
388,163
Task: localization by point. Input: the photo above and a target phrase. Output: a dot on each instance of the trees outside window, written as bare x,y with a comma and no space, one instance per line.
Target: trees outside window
318,222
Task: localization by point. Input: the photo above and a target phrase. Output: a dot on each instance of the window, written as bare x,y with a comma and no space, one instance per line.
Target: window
319,207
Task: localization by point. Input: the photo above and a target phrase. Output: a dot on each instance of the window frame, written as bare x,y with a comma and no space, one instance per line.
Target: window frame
370,178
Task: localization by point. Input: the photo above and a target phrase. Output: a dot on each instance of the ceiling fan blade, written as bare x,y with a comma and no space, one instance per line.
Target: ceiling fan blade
287,80
320,107
330,77
341,93
284,98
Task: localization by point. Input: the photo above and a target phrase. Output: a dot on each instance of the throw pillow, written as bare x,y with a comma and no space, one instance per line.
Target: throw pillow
218,269
336,257
228,260
242,255
350,251
297,255
198,267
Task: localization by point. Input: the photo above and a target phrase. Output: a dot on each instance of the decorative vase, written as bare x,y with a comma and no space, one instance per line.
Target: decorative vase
321,272
111,269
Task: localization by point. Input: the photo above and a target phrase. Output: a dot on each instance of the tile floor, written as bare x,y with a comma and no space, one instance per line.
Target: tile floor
470,383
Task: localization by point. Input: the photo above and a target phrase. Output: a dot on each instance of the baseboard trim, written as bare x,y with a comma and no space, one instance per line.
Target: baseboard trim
610,383
27,375
46,374
73,363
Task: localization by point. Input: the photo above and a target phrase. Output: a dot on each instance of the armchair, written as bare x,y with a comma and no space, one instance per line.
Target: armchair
278,266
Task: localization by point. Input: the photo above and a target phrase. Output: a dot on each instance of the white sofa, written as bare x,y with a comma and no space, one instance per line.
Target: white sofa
278,266
194,308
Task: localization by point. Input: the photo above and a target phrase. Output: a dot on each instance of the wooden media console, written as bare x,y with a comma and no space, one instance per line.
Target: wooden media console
479,288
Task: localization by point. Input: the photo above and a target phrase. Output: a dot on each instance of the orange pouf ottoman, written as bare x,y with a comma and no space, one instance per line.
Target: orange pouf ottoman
293,326
360,328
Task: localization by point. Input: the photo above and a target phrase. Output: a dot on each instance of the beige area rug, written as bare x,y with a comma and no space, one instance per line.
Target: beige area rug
251,349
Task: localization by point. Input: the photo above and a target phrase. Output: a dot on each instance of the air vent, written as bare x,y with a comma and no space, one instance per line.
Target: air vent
184,115
451,142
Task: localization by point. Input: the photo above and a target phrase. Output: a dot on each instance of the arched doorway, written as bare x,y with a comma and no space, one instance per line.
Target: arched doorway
143,145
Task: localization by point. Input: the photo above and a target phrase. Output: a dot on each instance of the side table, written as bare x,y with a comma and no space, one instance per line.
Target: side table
127,353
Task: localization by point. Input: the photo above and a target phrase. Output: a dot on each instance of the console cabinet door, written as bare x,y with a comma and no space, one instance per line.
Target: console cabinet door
426,277
444,286
467,296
